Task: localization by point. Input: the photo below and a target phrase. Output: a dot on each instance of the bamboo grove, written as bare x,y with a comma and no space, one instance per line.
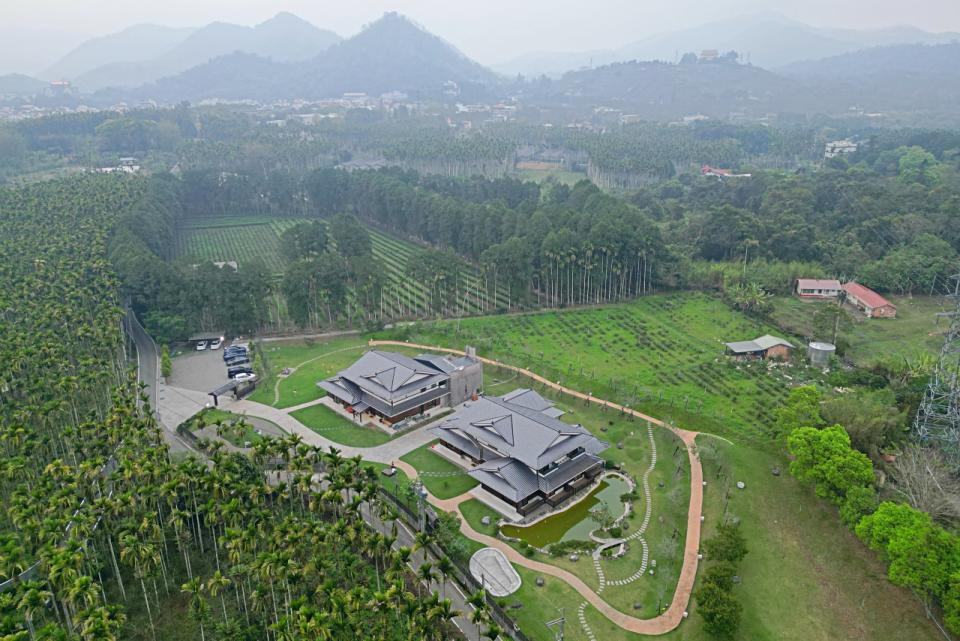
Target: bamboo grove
105,536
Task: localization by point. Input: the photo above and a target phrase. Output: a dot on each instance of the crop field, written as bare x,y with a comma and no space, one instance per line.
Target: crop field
662,354
405,298
236,238
914,331
242,238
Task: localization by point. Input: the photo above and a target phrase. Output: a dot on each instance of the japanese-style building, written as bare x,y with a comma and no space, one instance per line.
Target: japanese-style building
389,387
521,451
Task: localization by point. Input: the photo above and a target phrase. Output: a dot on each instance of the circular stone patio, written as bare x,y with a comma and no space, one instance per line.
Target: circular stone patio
491,568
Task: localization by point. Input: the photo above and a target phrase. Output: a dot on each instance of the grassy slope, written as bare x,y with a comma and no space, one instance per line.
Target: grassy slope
443,487
914,330
807,577
813,579
236,238
327,423
661,354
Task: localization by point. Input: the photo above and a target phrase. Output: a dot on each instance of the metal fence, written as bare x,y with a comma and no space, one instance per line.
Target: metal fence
461,573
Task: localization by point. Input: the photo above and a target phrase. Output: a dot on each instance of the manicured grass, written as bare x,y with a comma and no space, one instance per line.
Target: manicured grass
661,354
428,464
313,361
801,559
915,330
473,512
395,484
329,424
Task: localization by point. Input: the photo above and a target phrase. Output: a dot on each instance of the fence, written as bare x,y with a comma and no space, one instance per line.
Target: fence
461,574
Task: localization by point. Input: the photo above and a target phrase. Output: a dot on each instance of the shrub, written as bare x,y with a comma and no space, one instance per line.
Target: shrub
166,364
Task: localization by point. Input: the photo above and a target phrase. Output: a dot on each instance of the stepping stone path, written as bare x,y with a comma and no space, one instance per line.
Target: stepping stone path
636,535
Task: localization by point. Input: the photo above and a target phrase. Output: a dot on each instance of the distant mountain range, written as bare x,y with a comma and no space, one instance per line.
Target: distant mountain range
391,54
767,40
145,53
287,58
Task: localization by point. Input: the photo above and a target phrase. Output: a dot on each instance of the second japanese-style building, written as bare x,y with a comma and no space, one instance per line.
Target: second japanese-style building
388,387
520,450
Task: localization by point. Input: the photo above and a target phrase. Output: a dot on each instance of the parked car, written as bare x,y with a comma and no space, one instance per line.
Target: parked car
201,345
216,343
243,376
233,371
233,353
240,360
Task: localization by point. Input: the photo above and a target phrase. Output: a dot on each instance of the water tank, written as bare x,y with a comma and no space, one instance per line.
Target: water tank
821,353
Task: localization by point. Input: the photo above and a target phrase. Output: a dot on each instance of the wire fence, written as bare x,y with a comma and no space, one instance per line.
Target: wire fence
461,573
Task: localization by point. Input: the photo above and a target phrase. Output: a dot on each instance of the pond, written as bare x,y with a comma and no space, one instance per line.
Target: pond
574,522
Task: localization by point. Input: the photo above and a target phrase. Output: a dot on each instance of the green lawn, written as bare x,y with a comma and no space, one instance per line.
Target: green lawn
394,484
429,464
328,424
915,330
473,512
313,360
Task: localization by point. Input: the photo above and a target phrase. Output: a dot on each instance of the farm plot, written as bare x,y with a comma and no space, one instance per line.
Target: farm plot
236,238
403,297
662,353
243,238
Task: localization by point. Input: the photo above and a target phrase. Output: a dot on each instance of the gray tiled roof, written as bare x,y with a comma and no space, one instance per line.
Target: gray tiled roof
515,441
386,381
532,437
516,481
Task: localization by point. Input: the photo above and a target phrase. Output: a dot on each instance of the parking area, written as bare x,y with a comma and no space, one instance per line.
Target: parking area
199,371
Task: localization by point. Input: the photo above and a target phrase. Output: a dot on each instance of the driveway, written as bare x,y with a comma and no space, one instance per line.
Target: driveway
199,371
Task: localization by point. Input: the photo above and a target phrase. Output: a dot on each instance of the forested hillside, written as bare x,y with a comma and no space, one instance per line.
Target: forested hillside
103,536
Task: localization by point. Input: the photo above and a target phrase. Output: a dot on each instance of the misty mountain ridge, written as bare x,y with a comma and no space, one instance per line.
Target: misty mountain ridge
391,54
285,37
766,39
136,43
17,84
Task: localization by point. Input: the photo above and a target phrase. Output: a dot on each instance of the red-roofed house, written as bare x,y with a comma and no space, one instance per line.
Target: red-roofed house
813,288
872,304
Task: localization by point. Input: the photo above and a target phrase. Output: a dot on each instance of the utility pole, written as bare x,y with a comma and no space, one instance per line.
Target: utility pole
938,417
558,624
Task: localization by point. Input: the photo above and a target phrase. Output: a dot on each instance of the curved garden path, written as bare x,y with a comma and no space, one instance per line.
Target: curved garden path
674,614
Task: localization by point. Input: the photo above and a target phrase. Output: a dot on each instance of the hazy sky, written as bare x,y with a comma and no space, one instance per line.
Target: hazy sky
33,33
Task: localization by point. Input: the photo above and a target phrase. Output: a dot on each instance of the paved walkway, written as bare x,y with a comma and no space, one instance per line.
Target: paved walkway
672,617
